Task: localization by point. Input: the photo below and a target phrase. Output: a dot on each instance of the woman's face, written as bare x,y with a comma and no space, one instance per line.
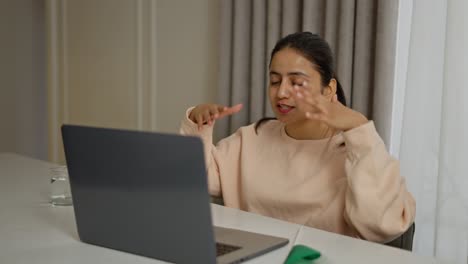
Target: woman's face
289,68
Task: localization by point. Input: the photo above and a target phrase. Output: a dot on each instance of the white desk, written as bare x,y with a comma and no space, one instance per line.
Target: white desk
32,231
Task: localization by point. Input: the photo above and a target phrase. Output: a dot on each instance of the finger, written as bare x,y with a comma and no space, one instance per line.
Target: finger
206,117
297,92
304,106
323,104
321,107
199,119
308,102
305,101
318,102
221,111
220,108
236,108
230,110
213,115
311,99
303,94
314,116
214,112
297,89
300,95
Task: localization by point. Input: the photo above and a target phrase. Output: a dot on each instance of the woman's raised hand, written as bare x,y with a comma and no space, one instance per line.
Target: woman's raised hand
326,109
207,113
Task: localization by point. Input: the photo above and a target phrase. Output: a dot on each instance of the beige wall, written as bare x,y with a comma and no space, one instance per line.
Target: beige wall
128,64
94,68
23,122
97,76
187,51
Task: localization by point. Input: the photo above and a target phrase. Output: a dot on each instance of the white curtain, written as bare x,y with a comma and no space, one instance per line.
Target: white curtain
361,35
434,144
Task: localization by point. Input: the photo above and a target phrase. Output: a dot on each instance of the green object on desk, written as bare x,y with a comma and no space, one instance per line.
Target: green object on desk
301,254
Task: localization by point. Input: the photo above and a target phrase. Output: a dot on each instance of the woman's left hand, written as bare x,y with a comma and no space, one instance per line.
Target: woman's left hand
330,111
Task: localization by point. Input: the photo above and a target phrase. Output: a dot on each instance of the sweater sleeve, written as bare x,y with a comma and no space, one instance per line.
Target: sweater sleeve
377,204
223,156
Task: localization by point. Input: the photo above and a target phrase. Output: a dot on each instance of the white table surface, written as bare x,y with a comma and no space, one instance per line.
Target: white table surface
33,231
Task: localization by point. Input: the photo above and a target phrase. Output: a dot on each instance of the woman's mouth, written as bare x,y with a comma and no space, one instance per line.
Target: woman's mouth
284,109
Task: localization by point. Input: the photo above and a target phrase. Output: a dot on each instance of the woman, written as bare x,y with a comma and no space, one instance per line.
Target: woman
320,164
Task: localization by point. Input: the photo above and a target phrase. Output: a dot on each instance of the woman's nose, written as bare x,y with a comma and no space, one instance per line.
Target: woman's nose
284,91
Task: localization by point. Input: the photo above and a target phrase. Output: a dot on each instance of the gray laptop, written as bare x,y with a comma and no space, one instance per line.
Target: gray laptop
146,193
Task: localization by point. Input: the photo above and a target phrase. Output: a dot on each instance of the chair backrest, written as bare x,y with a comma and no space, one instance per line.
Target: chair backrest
405,241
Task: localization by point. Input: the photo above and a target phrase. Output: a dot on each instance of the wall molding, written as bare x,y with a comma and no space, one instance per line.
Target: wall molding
64,55
53,77
139,63
152,66
144,89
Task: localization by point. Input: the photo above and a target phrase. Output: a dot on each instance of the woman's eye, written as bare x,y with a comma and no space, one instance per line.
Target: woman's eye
274,83
300,84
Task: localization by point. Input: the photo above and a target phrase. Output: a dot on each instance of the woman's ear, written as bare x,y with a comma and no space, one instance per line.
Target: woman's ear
330,89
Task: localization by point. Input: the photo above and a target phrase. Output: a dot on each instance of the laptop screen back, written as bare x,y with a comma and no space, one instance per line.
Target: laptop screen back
144,193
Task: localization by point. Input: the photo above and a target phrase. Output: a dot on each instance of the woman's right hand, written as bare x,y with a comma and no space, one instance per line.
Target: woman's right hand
208,113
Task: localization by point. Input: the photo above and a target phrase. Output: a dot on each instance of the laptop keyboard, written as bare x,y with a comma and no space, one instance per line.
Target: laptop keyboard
222,249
